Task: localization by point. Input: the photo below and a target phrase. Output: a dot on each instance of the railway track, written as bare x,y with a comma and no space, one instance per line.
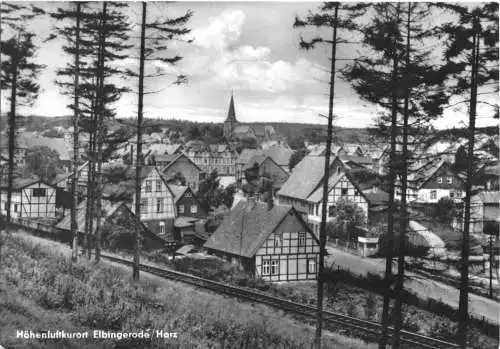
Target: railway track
410,339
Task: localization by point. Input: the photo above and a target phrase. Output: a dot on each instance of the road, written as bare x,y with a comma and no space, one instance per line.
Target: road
478,306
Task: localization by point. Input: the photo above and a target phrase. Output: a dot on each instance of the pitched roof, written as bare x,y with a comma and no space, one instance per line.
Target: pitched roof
256,159
242,129
178,191
64,176
19,182
320,149
174,157
246,228
108,208
488,197
280,154
246,154
305,177
361,160
317,195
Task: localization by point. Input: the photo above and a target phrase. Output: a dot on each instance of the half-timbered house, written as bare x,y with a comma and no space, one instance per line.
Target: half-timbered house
157,202
304,190
31,198
273,243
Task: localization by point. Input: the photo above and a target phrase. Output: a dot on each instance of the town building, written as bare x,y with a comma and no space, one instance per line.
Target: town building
485,207
432,183
63,181
190,212
31,198
175,164
304,190
234,130
218,157
272,243
264,167
118,225
157,202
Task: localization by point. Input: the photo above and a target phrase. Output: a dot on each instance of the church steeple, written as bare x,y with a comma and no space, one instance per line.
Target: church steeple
231,113
231,121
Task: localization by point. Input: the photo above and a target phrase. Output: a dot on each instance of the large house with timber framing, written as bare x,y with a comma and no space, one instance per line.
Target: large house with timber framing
31,198
304,190
157,202
273,243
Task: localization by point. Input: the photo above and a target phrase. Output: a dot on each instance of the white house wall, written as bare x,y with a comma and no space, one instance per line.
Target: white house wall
158,203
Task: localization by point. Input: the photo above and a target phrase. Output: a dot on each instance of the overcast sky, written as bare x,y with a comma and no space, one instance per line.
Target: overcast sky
249,48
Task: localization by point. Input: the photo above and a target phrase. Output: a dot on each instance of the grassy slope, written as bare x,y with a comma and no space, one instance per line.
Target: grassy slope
36,292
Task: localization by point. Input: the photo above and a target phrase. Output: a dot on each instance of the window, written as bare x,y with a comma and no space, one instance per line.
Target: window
180,208
356,193
452,194
194,209
311,266
275,267
159,206
5,206
15,207
433,195
317,210
302,238
38,192
158,185
149,186
266,267
144,206
338,170
449,180
440,180
331,211
343,191
162,227
278,240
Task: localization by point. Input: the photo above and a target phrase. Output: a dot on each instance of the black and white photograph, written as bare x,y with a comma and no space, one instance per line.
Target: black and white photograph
249,175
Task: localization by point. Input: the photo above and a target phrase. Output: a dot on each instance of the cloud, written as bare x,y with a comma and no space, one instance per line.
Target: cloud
221,61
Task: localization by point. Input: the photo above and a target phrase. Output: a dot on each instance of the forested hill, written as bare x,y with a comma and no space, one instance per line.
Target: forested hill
312,132
291,131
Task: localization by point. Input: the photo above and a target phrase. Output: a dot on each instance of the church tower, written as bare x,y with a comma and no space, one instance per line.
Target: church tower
231,121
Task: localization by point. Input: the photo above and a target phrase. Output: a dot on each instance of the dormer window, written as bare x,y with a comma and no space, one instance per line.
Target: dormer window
449,180
440,180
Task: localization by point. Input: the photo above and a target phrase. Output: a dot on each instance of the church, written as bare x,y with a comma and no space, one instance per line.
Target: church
233,130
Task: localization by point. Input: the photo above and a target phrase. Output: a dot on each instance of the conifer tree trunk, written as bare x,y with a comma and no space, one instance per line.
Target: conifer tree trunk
100,132
76,115
398,318
464,280
138,165
12,131
324,207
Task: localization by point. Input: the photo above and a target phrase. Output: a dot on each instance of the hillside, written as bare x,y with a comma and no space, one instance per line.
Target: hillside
38,292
